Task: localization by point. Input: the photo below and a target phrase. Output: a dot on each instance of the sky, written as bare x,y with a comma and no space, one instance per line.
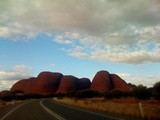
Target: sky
80,38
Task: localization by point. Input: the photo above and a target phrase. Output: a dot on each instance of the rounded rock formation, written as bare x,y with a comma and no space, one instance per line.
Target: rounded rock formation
27,86
118,83
101,82
84,83
68,84
48,82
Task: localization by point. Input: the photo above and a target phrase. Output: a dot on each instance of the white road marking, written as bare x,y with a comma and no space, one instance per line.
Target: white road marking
90,112
50,111
13,110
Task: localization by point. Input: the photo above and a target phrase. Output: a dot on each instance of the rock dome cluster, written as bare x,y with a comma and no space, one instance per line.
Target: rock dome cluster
47,83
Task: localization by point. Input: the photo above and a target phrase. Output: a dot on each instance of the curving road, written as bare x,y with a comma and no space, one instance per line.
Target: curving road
45,109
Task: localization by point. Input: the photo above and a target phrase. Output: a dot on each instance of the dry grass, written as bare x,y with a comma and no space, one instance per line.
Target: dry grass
124,107
4,103
1,103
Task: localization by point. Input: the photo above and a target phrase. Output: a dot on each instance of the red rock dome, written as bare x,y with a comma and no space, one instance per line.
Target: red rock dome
45,84
101,82
118,83
84,83
48,82
68,84
25,85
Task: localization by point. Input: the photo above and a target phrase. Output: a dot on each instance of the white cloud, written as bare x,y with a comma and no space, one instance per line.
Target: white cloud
91,17
147,80
4,31
52,65
62,40
66,38
107,30
6,84
77,51
9,76
134,52
16,72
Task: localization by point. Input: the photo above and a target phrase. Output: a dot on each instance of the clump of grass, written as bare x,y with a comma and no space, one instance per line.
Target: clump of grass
4,103
124,107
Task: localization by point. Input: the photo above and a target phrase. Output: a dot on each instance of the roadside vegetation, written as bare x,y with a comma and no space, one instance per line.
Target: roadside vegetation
140,102
128,107
139,92
10,102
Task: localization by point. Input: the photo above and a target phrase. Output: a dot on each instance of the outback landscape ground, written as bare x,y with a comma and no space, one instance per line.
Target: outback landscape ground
63,59
123,107
128,108
107,93
4,103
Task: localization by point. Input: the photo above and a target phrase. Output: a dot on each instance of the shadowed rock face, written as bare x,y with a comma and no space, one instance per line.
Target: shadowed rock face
101,82
84,83
45,84
118,83
68,84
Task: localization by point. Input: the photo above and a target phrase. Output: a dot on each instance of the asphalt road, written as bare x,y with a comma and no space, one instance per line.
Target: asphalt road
45,109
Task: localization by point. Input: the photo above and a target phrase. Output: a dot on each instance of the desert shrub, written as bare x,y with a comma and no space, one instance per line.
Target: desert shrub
141,92
6,95
86,93
71,94
19,95
156,91
116,94
6,98
61,95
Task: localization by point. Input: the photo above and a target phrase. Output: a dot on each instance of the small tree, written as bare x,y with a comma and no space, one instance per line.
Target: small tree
86,93
6,95
141,92
116,94
156,91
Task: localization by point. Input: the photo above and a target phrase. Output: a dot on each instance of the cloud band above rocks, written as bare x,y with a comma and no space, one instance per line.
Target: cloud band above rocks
11,75
121,31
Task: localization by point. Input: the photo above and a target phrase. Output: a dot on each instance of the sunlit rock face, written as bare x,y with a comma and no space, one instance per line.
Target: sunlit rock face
24,85
118,83
104,82
101,82
45,84
48,82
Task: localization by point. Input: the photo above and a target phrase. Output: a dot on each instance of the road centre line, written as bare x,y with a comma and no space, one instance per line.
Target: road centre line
50,111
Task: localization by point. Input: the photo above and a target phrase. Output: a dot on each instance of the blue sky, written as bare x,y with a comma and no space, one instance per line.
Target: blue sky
80,37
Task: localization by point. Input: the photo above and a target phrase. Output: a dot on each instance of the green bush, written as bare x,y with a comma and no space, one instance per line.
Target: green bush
141,92
6,95
156,91
116,94
86,93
